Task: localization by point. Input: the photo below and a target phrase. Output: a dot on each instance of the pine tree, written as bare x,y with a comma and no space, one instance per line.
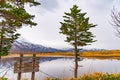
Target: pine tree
12,17
76,28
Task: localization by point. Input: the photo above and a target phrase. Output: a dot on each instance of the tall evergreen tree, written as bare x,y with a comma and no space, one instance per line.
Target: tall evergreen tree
7,36
76,28
13,16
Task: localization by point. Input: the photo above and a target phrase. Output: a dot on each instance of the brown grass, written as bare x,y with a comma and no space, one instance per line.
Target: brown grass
105,53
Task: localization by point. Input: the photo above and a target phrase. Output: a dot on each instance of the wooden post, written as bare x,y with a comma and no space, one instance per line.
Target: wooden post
33,72
20,61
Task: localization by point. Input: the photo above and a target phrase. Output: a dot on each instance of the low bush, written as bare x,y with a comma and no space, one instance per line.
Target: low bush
94,76
99,76
3,78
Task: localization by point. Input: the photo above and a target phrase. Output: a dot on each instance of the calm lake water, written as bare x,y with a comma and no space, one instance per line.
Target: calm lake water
62,67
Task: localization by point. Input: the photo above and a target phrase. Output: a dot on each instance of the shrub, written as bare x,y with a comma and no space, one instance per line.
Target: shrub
94,76
100,76
3,78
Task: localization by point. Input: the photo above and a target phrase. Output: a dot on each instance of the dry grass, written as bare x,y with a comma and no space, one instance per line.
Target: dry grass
105,53
55,54
93,76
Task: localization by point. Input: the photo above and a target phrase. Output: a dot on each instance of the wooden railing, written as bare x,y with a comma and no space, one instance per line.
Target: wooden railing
26,64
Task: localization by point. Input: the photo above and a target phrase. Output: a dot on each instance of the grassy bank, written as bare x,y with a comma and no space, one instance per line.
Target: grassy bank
104,53
93,76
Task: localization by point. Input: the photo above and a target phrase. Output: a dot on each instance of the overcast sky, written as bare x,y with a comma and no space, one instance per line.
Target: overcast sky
50,12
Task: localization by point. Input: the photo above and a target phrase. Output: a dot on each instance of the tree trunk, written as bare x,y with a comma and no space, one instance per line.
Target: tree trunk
1,41
76,56
0,45
76,66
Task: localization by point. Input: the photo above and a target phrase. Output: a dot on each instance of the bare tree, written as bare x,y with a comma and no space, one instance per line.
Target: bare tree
116,20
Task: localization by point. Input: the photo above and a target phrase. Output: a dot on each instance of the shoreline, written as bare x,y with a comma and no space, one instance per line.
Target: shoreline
87,54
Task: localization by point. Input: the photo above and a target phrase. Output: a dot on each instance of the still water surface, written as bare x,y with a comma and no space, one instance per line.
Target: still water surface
62,67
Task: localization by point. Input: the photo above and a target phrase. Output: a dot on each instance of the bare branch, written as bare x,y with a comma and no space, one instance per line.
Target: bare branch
116,20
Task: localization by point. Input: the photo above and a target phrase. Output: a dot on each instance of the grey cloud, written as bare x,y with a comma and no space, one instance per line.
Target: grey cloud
48,23
102,5
49,5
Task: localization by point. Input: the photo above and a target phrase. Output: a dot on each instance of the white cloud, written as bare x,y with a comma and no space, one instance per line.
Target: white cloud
47,30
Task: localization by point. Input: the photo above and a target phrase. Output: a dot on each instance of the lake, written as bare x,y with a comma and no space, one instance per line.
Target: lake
62,67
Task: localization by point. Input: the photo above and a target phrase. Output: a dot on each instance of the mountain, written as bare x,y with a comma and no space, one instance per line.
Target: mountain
30,47
22,45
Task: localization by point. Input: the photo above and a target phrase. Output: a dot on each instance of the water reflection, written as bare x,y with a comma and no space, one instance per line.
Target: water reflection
6,62
63,67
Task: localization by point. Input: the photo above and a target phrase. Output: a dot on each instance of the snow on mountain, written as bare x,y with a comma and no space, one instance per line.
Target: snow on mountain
20,45
24,45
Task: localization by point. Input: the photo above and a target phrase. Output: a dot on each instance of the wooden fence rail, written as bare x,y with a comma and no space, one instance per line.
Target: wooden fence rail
26,64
